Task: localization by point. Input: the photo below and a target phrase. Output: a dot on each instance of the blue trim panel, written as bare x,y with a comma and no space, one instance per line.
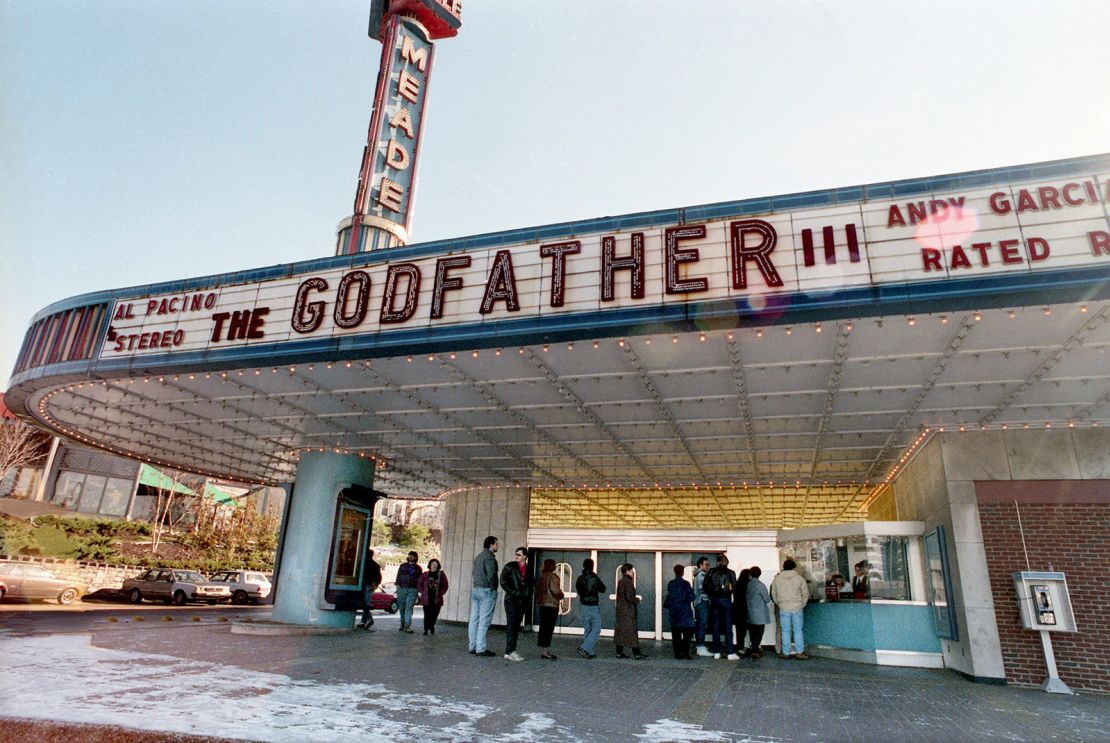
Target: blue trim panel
1038,576
1088,165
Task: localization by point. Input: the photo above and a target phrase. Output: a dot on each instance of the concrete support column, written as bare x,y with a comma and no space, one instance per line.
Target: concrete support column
468,518
308,538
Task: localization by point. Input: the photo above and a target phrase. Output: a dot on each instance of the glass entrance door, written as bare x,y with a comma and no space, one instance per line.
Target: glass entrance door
568,566
608,569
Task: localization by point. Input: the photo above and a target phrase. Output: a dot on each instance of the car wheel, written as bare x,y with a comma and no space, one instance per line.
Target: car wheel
239,597
136,596
393,607
179,598
67,596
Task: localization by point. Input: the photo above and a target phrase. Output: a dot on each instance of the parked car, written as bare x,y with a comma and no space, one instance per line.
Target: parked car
245,585
385,598
30,582
174,586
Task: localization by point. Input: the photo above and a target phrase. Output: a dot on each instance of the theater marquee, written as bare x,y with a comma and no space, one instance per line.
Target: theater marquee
1027,227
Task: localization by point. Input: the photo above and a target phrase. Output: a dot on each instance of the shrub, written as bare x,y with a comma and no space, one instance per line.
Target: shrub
16,537
413,536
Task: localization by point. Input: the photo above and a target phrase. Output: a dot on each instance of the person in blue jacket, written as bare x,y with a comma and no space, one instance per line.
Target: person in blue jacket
680,597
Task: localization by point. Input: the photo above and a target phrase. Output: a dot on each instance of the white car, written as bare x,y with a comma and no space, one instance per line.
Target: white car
245,585
174,586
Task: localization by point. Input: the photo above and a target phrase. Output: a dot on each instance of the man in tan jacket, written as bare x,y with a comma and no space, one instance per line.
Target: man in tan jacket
790,592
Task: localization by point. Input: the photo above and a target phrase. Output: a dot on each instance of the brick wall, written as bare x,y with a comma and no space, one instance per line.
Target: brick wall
1069,537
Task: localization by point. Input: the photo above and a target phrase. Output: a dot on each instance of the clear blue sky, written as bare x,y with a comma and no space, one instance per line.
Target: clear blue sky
149,141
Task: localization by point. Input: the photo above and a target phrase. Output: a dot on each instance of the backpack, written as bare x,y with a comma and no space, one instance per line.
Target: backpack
717,583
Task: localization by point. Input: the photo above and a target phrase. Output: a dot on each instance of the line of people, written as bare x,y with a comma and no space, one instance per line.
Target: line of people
716,613
516,581
727,608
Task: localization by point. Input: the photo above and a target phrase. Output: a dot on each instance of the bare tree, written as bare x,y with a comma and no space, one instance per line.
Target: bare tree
21,445
163,505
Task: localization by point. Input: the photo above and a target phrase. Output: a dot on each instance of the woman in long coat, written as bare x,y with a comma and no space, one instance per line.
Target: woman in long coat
548,595
625,633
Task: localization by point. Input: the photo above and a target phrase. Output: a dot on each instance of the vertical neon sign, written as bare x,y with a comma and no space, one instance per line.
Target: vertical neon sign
382,212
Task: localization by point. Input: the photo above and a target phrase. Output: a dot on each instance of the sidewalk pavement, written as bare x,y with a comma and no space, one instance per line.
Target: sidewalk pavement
200,679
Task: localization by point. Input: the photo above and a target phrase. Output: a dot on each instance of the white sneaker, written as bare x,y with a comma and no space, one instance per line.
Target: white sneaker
703,651
734,656
716,656
514,656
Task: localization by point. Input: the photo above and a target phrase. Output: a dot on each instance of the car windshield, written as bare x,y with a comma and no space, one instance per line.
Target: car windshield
189,575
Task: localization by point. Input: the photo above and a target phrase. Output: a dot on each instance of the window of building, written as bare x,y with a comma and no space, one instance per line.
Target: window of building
856,567
91,493
67,492
117,492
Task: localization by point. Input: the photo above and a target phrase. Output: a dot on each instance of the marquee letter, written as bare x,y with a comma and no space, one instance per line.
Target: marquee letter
501,284
307,316
390,194
558,252
443,283
418,57
408,87
388,313
1100,242
610,264
396,156
355,318
672,236
759,252
403,120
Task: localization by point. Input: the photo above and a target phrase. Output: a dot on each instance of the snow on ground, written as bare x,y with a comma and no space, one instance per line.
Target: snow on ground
64,677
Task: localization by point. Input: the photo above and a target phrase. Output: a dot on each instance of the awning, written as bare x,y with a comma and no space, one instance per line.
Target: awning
154,478
219,496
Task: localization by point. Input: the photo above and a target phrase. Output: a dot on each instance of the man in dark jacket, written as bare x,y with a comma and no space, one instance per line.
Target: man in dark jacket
369,586
589,587
719,584
407,577
517,585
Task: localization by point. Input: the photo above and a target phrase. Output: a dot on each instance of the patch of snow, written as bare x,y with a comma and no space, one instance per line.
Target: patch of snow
152,692
668,731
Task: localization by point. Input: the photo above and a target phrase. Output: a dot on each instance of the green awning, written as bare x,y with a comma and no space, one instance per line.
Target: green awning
154,478
220,496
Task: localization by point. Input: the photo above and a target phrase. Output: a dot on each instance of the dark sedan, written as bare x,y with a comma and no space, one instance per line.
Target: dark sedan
30,582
